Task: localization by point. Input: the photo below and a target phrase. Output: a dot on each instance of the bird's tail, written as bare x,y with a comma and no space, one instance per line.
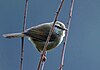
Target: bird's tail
13,35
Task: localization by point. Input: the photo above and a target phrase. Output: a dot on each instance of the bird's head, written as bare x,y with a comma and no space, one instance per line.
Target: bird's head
60,28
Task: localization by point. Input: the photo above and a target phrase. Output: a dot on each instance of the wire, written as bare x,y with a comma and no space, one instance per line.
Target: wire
66,37
50,33
24,27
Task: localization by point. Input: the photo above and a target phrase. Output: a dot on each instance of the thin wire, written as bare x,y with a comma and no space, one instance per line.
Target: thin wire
42,65
65,42
24,27
50,33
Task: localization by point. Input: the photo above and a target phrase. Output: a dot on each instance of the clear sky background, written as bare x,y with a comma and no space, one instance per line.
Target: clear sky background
83,48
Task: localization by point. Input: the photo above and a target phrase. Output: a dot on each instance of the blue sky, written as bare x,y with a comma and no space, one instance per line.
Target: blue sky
83,47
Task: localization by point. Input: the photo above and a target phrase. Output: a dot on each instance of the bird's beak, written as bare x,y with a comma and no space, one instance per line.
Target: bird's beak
66,29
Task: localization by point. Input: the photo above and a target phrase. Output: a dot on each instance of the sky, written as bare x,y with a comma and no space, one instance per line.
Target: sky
83,47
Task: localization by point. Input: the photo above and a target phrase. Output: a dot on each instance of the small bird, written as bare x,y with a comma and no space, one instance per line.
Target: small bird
38,35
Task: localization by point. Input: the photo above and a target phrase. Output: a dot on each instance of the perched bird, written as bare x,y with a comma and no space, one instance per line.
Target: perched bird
38,35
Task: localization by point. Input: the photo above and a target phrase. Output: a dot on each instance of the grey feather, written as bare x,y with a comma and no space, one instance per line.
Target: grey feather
13,35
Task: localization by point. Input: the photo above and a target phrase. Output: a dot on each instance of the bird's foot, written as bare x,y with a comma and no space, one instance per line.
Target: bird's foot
44,58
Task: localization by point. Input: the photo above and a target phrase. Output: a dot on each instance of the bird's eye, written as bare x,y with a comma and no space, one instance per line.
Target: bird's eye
60,24
58,27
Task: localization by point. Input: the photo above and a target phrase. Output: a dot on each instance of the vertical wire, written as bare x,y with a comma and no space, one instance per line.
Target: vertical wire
50,33
66,37
22,39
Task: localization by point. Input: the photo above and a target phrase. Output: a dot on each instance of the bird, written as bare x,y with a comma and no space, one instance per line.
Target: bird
38,35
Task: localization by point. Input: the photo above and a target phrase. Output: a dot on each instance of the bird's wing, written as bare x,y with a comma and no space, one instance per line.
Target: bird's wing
40,33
